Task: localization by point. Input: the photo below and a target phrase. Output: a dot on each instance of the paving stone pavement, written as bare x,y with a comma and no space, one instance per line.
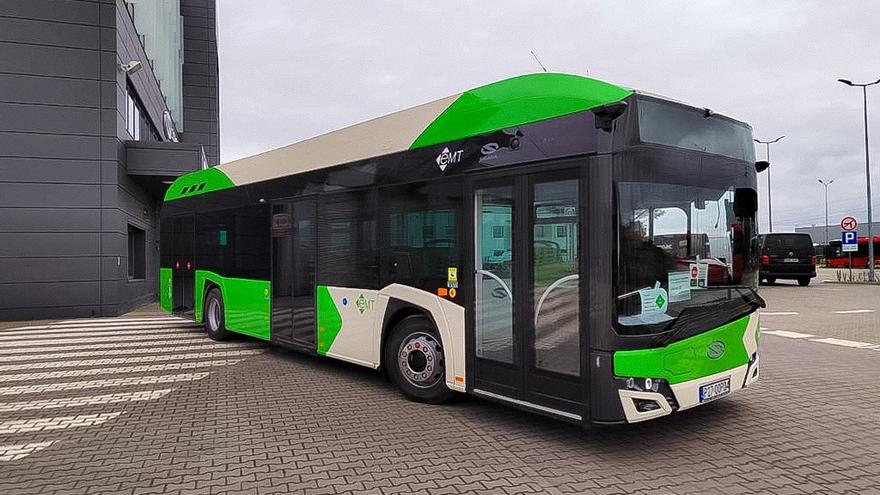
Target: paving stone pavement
281,422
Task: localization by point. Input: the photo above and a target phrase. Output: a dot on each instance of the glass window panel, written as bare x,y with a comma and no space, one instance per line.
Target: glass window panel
494,274
555,277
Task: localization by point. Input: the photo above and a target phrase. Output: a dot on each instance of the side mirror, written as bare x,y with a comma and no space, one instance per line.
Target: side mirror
762,166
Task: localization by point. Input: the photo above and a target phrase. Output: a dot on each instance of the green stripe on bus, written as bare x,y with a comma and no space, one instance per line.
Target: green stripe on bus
329,320
247,303
198,182
165,287
517,101
687,359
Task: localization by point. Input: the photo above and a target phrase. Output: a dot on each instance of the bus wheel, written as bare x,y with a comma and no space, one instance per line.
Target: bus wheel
214,320
803,281
415,362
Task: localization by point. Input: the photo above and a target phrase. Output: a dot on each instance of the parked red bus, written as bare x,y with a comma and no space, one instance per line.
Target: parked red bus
836,258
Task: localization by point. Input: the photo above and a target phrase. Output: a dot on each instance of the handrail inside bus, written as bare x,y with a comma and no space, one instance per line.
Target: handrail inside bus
497,279
547,292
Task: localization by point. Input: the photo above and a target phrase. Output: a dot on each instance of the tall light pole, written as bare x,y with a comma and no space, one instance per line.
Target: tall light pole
826,183
769,203
867,173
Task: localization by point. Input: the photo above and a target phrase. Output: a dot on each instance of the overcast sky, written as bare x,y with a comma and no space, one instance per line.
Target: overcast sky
293,69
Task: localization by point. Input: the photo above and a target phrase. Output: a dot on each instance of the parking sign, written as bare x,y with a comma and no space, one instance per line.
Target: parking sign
850,241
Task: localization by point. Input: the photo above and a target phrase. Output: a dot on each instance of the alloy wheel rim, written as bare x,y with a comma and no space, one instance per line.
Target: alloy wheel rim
420,360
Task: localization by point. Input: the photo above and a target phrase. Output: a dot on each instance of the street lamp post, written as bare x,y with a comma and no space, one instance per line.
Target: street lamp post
826,183
864,87
769,202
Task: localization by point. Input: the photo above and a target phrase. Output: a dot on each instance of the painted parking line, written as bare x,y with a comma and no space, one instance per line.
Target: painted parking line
219,353
148,368
854,311
92,325
93,400
117,349
831,341
87,340
110,382
46,337
779,313
99,331
56,423
785,333
17,451
847,343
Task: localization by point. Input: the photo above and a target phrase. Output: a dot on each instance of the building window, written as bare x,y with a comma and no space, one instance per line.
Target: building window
136,253
132,117
137,122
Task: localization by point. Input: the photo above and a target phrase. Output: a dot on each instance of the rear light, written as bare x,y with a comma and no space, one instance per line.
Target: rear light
814,261
765,260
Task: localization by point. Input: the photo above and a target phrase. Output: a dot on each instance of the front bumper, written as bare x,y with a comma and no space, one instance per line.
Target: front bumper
661,399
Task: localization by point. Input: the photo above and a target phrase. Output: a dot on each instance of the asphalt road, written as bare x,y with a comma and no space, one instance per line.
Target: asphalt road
147,405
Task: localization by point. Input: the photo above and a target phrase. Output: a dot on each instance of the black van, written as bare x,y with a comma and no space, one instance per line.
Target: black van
787,256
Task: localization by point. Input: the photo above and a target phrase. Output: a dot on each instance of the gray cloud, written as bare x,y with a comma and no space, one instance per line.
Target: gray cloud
291,69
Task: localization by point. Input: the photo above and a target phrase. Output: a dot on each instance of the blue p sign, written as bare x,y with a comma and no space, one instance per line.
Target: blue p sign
850,241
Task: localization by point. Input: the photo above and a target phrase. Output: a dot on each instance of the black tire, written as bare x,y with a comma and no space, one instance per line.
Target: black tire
414,361
771,280
214,316
804,281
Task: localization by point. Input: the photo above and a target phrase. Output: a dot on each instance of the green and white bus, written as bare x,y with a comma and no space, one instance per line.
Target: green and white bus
551,242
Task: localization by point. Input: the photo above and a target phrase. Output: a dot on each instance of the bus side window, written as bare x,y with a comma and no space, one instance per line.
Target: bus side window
421,235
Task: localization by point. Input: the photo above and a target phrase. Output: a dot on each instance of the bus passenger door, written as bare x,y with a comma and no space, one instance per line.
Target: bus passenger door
183,270
293,273
529,340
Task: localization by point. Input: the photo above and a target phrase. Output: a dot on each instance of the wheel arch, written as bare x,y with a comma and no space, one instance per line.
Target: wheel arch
397,311
447,317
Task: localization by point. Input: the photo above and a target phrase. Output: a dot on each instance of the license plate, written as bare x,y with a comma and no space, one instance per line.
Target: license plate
714,390
790,260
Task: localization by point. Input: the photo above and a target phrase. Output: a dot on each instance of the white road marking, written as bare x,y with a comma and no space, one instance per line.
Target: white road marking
148,368
220,353
106,328
854,311
116,323
846,343
93,400
86,340
111,382
117,349
779,313
56,423
17,451
785,333
44,337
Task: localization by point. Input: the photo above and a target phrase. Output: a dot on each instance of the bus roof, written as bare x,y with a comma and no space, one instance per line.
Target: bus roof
507,103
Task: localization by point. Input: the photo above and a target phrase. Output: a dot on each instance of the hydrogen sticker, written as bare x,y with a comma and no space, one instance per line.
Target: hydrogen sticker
699,275
679,286
654,300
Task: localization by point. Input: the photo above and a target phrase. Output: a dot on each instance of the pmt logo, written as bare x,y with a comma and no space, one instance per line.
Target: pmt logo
447,158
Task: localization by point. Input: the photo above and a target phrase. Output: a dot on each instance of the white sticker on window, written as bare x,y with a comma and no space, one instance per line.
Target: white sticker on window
654,300
679,286
699,275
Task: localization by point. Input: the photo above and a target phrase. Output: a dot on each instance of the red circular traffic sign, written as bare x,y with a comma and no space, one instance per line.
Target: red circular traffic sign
848,223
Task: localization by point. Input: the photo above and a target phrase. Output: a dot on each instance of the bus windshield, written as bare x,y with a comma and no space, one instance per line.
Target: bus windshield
679,247
667,123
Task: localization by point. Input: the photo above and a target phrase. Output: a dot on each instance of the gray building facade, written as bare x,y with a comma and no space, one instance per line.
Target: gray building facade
102,104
